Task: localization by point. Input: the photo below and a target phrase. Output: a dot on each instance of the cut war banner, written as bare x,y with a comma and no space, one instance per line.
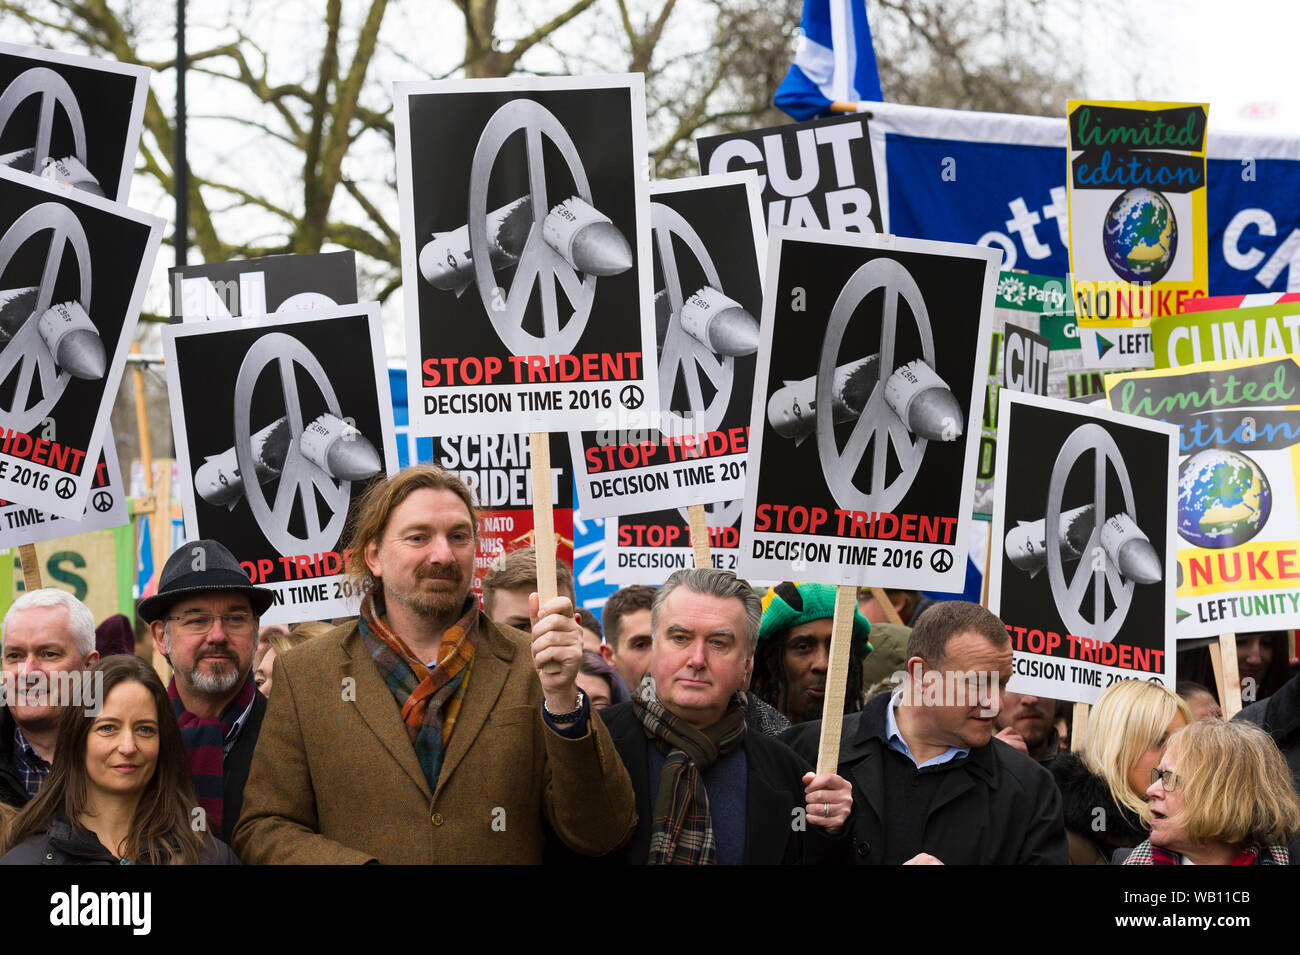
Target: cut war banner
818,174
73,270
525,225
1081,569
1136,191
251,288
279,425
1237,516
709,247
862,453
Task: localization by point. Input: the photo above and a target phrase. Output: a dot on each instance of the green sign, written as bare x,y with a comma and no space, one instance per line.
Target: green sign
1230,334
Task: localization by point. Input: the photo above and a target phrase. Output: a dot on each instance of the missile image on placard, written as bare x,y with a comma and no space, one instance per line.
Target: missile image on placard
584,237
1130,550
1127,548
65,330
68,171
1026,543
328,442
719,323
914,392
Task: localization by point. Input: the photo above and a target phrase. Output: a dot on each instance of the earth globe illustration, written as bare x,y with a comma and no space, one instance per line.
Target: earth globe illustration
1140,235
1223,498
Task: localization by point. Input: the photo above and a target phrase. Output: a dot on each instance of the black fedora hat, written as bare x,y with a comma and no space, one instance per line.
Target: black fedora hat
198,567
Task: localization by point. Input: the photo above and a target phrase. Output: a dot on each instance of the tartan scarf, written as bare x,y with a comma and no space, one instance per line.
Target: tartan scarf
1248,856
431,701
205,738
682,832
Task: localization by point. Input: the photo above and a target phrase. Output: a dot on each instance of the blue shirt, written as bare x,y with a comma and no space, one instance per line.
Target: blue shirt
29,764
896,742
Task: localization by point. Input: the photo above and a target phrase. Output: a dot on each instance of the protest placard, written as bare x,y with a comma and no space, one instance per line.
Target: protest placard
71,119
1237,517
525,229
495,468
816,175
646,548
862,455
251,288
1082,569
1226,334
279,425
20,524
73,270
1138,234
709,246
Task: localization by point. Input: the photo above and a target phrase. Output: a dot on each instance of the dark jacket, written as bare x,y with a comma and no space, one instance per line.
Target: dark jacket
235,766
1279,716
773,787
12,790
64,844
1094,836
998,808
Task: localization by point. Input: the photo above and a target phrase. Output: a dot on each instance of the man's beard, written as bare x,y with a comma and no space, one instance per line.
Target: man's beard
215,684
439,605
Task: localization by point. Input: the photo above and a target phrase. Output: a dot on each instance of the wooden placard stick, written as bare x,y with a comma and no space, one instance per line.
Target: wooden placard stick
142,429
988,556
1216,662
1290,645
539,468
31,567
837,677
699,535
1079,726
886,605
1231,700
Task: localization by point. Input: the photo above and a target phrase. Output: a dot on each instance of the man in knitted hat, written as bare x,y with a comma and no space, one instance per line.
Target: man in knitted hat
204,619
794,651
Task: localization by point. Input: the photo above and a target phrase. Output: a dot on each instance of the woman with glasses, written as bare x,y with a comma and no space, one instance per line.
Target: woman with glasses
1220,795
1103,786
119,792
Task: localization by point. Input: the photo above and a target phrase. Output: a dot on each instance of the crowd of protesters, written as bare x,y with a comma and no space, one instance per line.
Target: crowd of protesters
681,726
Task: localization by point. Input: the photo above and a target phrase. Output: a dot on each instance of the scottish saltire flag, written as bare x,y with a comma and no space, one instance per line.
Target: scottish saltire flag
835,63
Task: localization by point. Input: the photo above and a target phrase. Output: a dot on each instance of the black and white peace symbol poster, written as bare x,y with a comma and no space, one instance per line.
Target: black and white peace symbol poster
1082,568
862,444
646,548
817,175
73,270
20,524
280,424
252,288
525,223
71,119
708,248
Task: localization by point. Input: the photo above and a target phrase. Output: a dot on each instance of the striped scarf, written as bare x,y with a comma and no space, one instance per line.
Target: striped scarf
682,832
205,739
431,701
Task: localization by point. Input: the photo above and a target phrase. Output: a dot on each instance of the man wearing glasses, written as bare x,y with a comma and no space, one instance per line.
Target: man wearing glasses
204,621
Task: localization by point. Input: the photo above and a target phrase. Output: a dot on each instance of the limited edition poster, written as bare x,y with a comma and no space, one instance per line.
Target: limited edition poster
1082,569
525,249
709,247
73,270
73,120
1138,235
279,426
862,449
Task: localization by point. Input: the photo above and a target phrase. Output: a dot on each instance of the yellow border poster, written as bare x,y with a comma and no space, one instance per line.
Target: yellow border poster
1136,187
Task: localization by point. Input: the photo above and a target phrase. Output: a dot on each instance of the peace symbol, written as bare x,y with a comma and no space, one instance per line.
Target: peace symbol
299,479
1069,598
65,488
102,500
52,89
26,352
631,397
538,264
941,560
878,425
718,513
683,356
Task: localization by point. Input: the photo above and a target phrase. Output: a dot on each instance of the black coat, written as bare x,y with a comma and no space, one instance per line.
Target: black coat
999,808
62,844
773,788
1279,716
1095,823
234,768
12,790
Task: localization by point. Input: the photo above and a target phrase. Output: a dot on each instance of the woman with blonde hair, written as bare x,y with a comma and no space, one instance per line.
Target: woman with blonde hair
1103,786
1220,795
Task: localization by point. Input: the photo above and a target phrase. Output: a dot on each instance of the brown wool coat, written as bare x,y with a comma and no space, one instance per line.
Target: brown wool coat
335,778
